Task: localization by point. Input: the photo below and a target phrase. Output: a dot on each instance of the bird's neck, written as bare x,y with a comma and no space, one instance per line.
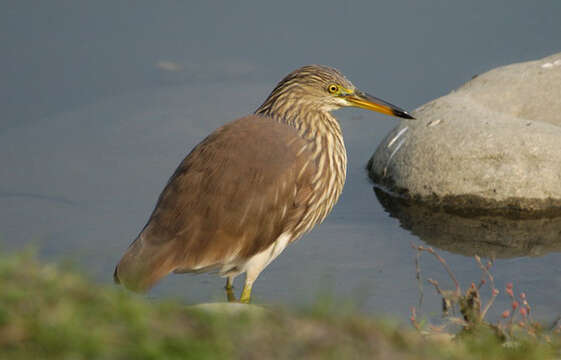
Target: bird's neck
325,144
324,134
310,121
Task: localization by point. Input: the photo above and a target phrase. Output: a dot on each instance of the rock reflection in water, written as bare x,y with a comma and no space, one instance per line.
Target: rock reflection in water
470,234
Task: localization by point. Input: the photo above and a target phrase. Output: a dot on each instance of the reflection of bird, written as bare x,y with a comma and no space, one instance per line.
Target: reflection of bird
252,186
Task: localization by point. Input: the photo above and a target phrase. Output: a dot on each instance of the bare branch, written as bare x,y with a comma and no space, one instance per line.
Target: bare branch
418,274
485,270
435,284
444,264
494,291
489,304
413,319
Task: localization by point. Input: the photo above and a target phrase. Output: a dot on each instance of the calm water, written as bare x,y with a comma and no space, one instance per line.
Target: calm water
101,101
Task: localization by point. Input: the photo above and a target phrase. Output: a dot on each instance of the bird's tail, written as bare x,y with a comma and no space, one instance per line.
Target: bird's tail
143,265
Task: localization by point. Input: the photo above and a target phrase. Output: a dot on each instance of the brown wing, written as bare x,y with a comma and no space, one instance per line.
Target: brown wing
230,198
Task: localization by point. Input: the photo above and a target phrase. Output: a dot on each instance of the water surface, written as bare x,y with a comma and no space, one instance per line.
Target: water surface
101,101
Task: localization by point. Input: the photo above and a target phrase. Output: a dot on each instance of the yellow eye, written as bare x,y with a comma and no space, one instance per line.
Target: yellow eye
333,89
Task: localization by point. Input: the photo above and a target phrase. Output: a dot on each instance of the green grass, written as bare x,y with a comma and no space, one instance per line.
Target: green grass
47,312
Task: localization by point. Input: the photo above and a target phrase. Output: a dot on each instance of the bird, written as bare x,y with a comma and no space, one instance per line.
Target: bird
251,187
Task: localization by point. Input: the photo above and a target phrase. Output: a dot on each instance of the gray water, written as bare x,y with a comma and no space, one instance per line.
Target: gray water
100,101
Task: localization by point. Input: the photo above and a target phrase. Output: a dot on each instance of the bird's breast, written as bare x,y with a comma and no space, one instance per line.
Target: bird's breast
330,158
332,164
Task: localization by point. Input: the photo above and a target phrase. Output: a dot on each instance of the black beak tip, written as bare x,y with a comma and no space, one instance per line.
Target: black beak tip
403,114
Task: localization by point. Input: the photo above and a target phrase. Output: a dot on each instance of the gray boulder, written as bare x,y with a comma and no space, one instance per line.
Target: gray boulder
494,144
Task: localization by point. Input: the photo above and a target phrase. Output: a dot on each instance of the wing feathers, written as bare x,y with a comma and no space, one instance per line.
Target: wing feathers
229,199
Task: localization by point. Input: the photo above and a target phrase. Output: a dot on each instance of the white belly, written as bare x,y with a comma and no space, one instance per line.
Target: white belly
259,261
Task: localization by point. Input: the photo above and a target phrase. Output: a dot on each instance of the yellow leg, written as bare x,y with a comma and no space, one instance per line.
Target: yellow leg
230,289
246,293
250,277
229,283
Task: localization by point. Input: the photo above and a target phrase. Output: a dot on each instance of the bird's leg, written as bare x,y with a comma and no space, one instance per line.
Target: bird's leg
246,292
230,289
250,277
229,283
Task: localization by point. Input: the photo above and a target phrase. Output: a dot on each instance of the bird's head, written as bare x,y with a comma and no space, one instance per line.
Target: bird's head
318,87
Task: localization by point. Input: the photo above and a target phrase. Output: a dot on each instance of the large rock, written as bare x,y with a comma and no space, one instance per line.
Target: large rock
494,143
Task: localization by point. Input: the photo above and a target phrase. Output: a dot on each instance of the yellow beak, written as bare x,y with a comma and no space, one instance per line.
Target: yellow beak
369,102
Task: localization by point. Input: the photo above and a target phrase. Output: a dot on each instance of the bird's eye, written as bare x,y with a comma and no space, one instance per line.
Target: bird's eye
333,89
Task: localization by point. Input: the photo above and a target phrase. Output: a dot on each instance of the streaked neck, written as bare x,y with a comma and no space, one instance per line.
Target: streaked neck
310,120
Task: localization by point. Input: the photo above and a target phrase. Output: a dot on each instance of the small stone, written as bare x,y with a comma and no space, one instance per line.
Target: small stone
230,308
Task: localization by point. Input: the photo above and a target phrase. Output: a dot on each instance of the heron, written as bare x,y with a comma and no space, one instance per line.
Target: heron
251,187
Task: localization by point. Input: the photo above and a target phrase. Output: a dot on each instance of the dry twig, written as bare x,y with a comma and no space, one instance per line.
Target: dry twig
494,291
418,275
430,250
413,319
